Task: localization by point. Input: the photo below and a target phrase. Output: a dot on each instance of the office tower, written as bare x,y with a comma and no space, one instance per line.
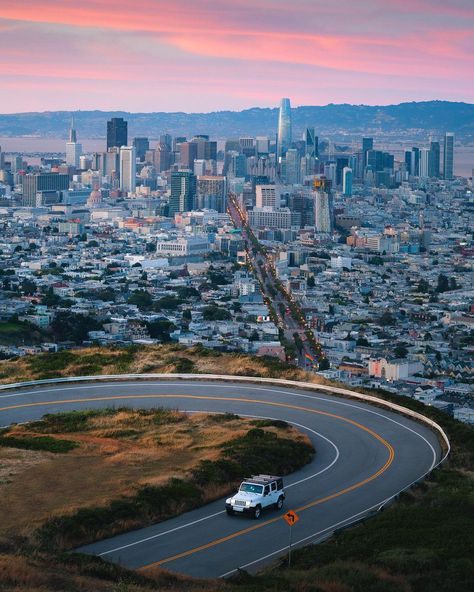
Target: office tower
188,153
307,167
448,156
435,159
128,169
117,134
34,184
16,163
162,158
292,170
262,145
141,145
367,144
212,193
330,172
199,167
183,192
205,149
73,149
341,163
323,206
347,181
167,140
247,146
237,166
310,142
284,127
111,163
424,163
415,161
268,196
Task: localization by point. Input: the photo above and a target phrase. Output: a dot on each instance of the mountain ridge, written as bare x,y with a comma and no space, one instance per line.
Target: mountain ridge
423,116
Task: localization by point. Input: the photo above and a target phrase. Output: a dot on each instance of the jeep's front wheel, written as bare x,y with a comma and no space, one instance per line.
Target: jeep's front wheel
279,504
229,512
257,512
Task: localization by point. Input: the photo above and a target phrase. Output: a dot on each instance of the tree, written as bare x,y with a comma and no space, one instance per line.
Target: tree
216,313
141,298
68,326
311,281
187,314
453,284
386,319
400,350
324,364
423,286
443,283
160,330
362,341
167,303
50,298
28,287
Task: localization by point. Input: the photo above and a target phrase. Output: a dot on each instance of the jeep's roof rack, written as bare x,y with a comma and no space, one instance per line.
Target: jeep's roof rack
262,478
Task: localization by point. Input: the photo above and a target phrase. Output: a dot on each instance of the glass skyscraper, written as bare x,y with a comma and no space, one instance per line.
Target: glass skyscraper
448,157
284,127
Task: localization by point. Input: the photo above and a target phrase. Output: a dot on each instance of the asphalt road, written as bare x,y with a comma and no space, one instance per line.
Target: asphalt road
364,456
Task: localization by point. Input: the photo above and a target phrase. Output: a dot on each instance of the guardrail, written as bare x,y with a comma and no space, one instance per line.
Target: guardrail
272,381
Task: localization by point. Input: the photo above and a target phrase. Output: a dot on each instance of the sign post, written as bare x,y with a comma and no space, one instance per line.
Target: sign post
291,518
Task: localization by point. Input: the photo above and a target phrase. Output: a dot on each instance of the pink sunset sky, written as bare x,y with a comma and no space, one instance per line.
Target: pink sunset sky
202,55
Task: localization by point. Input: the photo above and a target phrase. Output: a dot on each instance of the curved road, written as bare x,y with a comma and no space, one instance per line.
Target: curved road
365,455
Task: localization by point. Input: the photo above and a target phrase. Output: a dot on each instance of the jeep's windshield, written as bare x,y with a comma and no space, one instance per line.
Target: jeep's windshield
251,488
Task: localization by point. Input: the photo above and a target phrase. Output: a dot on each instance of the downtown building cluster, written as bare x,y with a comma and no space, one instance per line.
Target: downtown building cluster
135,245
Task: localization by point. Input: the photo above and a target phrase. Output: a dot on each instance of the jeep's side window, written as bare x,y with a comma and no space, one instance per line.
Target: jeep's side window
267,490
274,486
280,484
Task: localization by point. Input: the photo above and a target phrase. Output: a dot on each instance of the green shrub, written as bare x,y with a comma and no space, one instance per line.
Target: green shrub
38,443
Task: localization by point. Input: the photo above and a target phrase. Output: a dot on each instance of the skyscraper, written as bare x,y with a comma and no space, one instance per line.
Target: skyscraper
117,132
347,181
448,156
311,142
73,149
292,170
128,169
284,127
367,144
212,192
435,158
424,166
323,206
183,192
141,146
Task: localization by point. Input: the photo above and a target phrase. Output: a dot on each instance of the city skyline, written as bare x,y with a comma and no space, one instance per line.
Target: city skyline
235,55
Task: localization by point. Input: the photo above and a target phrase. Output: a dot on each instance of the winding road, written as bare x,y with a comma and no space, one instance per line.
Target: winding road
365,456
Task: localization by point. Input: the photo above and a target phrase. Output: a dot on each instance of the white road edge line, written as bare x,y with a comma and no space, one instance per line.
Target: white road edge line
223,511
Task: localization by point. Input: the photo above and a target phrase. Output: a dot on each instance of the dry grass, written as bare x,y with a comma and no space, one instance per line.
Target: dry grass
161,359
117,454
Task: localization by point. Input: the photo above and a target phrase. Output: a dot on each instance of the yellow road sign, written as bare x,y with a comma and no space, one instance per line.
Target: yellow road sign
291,517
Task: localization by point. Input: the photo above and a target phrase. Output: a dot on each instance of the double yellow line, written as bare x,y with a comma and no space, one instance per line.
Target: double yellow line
391,455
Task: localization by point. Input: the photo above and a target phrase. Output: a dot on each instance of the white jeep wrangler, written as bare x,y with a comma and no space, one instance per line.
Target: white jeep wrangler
256,494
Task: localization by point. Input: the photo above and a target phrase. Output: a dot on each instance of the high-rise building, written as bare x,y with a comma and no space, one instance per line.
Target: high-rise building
292,169
284,127
247,146
73,148
141,145
237,166
311,142
448,156
188,153
212,193
162,157
424,163
367,144
435,159
323,206
262,145
167,140
128,169
268,196
34,184
117,133
347,181
183,192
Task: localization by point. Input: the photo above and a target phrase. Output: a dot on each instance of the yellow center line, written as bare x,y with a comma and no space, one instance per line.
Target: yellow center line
391,455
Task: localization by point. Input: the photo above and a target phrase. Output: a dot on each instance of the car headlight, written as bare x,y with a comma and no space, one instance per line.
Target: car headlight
247,503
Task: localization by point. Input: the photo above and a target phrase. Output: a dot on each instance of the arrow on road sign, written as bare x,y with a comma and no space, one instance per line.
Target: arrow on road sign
291,517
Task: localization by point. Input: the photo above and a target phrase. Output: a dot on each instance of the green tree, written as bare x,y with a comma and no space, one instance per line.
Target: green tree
216,313
324,364
443,283
400,350
311,282
28,287
142,299
386,319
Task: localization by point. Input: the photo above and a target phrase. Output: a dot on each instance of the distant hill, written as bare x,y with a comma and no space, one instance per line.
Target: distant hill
417,117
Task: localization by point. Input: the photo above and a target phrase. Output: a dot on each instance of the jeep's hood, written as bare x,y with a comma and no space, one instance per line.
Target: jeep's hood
246,496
